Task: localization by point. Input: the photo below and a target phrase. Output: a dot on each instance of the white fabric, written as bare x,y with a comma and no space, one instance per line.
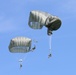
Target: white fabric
37,19
20,45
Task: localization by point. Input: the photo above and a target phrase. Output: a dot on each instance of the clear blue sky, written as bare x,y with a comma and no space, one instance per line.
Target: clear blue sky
14,22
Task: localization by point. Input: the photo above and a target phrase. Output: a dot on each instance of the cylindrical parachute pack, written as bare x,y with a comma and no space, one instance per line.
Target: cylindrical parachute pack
20,45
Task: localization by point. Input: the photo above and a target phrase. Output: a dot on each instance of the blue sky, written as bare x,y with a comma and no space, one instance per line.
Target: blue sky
14,16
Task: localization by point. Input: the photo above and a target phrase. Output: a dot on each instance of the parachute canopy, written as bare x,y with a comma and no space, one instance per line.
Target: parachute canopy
20,45
38,19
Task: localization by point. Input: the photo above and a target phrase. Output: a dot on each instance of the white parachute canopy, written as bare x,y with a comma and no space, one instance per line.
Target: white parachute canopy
20,45
38,19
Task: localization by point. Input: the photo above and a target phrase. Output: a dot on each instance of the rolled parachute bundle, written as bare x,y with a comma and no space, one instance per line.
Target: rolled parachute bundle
38,19
20,45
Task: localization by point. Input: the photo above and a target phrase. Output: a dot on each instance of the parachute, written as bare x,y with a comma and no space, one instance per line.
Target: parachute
38,19
20,45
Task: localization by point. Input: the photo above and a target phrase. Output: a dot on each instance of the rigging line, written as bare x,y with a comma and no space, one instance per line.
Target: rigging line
22,57
50,43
